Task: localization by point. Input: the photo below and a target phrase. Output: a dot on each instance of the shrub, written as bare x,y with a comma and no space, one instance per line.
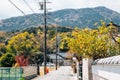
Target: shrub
21,78
7,60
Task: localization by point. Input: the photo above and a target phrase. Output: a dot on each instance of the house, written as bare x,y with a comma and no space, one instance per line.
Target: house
62,58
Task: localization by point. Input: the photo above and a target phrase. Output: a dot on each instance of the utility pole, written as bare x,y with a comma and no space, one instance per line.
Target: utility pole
56,48
44,8
45,37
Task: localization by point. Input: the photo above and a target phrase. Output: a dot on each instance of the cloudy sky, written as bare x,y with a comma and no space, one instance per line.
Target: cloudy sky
8,10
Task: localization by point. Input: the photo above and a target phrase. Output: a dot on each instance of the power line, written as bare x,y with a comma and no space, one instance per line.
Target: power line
16,7
21,11
28,6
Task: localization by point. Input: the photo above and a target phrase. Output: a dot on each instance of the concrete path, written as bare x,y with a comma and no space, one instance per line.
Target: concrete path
63,73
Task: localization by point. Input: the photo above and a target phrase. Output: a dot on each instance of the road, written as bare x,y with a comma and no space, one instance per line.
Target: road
63,73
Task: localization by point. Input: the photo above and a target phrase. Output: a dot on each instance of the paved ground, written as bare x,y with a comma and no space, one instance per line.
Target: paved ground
63,73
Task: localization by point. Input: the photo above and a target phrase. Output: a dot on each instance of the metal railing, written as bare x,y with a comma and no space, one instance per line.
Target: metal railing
10,73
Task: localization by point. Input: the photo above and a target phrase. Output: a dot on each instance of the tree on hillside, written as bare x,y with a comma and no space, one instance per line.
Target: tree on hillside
50,42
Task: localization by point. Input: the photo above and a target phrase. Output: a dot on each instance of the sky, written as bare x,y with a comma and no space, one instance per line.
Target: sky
7,10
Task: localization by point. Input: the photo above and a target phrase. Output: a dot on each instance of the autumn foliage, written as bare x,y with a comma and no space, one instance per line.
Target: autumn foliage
93,43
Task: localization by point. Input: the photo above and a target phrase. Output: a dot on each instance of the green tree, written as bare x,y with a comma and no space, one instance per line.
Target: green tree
38,58
63,43
7,60
2,49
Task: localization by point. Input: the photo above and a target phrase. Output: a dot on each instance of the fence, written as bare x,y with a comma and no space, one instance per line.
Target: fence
8,73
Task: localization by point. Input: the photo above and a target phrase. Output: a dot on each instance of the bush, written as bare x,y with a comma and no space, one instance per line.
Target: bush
21,78
7,60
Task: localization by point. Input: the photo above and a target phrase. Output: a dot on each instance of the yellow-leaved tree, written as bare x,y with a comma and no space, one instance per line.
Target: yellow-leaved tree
23,42
22,45
90,43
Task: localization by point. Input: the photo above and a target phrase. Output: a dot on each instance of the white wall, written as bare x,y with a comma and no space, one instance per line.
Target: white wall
106,72
86,69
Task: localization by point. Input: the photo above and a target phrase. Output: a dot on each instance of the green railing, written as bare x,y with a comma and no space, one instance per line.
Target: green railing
9,73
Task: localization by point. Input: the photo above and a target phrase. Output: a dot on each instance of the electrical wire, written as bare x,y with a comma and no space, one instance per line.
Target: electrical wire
21,11
28,6
16,7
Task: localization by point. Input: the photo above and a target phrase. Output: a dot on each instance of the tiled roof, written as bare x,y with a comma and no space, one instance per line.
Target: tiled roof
109,60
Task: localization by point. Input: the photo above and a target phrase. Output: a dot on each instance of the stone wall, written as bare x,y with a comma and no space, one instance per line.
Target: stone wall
29,72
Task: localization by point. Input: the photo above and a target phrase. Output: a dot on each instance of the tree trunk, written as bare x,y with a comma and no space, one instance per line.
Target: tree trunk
38,70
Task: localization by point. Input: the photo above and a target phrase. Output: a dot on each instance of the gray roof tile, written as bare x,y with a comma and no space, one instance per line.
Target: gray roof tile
109,60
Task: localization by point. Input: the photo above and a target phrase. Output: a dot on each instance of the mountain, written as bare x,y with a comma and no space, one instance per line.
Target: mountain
85,17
